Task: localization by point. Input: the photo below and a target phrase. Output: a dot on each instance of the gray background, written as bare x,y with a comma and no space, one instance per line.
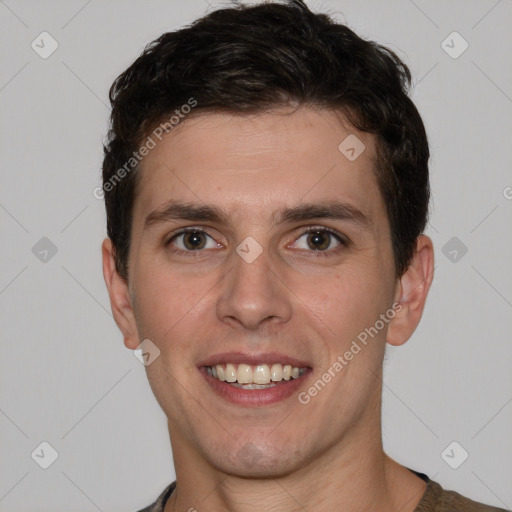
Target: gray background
66,377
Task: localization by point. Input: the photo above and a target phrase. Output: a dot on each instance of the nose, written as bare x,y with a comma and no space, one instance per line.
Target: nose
252,294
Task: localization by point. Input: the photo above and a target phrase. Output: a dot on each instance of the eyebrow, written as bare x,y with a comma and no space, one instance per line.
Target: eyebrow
176,210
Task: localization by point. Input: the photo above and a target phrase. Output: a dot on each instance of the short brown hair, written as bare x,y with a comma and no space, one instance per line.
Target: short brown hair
249,59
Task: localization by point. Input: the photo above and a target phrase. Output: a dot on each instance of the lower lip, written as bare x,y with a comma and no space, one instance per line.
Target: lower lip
255,397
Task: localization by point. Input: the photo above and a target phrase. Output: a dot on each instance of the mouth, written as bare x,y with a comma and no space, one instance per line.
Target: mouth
261,376
243,381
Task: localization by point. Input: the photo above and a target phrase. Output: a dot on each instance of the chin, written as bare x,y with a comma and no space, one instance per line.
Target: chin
253,461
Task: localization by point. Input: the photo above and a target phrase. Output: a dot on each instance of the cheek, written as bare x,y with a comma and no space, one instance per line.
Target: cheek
338,297
348,302
170,305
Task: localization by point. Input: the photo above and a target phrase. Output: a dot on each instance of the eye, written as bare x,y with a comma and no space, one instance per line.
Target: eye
192,239
317,239
320,239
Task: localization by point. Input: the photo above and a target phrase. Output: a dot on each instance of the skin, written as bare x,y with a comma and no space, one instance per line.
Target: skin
306,303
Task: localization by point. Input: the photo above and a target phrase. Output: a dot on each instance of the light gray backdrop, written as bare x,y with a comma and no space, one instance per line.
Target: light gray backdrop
66,377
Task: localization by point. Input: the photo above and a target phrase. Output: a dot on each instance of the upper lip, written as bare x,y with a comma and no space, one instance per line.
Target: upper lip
252,359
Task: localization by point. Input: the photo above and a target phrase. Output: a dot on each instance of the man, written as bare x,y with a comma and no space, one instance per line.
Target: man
266,185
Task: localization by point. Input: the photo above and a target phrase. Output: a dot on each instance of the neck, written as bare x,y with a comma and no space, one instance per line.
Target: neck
353,475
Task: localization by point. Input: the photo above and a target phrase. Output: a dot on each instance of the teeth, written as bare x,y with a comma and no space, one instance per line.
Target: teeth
230,373
253,386
244,375
220,373
260,376
276,373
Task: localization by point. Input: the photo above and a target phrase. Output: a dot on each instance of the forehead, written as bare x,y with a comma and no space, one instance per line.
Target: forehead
254,165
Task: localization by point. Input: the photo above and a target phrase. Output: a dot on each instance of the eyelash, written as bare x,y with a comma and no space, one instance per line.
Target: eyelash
315,229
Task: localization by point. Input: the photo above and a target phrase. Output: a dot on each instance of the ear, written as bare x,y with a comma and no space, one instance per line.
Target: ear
120,298
411,293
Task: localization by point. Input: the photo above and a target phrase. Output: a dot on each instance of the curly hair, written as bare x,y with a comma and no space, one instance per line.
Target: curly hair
251,59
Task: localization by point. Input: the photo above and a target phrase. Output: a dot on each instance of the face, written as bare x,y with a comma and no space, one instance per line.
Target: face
285,261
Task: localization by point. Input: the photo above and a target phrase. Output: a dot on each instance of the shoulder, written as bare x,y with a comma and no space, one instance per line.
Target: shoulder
159,504
437,499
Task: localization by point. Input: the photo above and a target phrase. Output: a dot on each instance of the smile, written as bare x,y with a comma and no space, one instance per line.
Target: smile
260,376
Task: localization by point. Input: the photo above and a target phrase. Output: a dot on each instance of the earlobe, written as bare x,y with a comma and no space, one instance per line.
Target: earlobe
120,299
411,292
